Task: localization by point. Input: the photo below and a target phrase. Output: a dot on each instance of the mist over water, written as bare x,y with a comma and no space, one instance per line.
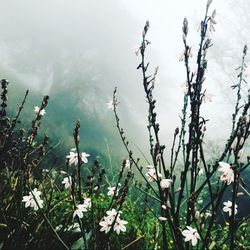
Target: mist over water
77,52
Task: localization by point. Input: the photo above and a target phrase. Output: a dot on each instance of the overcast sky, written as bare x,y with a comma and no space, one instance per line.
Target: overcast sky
166,19
95,40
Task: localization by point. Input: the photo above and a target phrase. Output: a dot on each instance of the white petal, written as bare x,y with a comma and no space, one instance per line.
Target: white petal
194,241
188,237
224,165
186,232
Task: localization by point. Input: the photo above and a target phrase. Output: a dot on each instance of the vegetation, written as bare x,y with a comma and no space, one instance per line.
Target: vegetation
191,202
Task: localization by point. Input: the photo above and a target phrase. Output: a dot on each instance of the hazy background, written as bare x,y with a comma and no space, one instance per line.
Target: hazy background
78,51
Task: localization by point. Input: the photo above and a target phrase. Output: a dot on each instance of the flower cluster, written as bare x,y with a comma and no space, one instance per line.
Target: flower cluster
112,191
38,111
73,157
113,220
81,208
33,199
228,208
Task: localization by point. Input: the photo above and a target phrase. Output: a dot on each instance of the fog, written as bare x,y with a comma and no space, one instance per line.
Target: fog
86,48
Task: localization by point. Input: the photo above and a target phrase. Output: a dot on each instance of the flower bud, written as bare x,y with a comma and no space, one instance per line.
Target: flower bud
245,50
164,207
239,194
161,218
168,204
197,215
209,3
185,26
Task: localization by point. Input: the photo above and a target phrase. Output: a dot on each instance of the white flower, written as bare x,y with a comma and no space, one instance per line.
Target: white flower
181,56
87,202
127,164
105,224
228,208
82,208
227,172
207,214
42,112
79,210
212,18
67,181
112,192
33,199
84,157
137,49
119,225
37,109
28,200
201,172
165,183
152,174
73,157
191,234
112,213
155,81
110,105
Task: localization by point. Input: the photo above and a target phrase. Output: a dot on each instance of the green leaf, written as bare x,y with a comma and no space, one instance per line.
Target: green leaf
212,245
78,245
